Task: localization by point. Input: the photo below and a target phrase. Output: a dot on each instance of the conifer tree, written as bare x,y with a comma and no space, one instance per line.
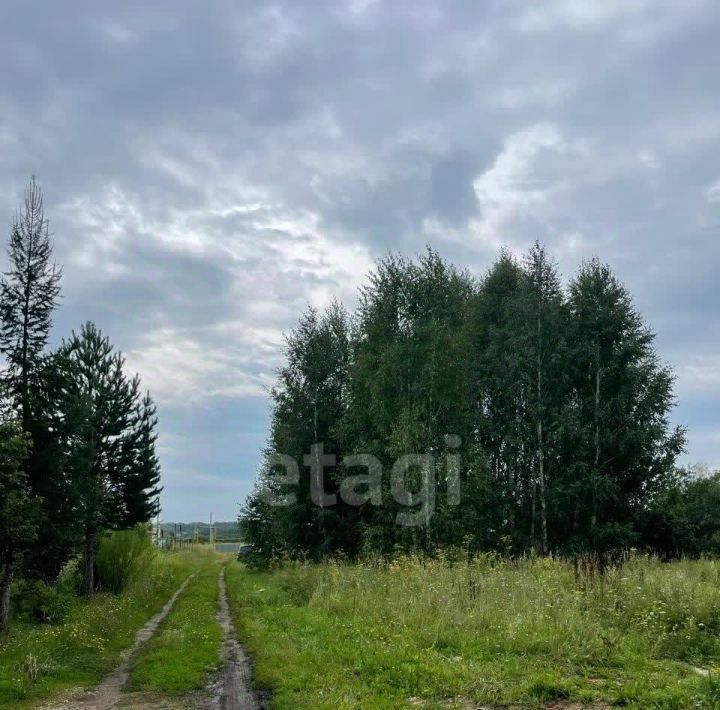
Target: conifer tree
96,410
29,292
138,477
28,296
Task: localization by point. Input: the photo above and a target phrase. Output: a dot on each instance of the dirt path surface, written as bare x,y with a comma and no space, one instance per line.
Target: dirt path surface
232,690
107,695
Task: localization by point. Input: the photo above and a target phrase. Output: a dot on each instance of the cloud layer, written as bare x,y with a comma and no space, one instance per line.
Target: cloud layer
212,168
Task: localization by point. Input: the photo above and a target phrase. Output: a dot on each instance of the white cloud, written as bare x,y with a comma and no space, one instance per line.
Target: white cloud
185,368
712,193
512,188
274,261
102,222
699,373
577,14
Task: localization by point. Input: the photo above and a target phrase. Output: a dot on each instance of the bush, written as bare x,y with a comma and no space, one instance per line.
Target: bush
122,555
37,601
70,579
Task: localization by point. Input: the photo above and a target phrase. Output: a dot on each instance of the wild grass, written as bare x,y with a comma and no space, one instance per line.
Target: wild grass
123,555
441,633
186,649
39,660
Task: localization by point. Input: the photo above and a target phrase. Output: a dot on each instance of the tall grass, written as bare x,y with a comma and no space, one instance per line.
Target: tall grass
121,556
486,630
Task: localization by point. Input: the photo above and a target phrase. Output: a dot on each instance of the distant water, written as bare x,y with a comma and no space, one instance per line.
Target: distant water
228,546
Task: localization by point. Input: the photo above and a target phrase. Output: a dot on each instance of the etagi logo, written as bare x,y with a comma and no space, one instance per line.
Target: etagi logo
283,471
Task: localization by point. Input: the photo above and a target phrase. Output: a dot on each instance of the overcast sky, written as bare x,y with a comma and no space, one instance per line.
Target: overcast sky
211,168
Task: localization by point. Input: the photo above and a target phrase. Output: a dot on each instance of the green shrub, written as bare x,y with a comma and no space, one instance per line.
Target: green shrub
37,601
121,556
70,579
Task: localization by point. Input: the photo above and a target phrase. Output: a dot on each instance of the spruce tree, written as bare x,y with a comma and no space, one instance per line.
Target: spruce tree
96,411
138,476
28,296
29,292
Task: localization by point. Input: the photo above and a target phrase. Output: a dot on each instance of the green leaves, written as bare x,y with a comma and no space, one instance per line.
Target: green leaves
556,395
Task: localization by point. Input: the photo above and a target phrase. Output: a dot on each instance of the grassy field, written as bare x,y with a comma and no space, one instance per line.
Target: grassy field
486,633
186,648
37,661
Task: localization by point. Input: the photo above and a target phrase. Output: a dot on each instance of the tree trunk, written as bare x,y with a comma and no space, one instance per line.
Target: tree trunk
596,464
532,518
8,572
89,573
541,457
541,483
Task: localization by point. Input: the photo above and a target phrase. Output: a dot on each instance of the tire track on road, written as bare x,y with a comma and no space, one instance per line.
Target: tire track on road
233,689
108,694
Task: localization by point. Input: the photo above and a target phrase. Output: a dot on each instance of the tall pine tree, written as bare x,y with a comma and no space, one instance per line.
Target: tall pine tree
29,292
96,411
28,296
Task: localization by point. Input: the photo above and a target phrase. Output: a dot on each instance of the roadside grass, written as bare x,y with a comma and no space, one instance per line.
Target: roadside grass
438,633
40,660
186,648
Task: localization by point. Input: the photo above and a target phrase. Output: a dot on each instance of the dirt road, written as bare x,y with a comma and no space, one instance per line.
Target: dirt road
233,688
230,689
108,694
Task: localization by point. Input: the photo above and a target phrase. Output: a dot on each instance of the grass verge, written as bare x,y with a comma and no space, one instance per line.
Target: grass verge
418,633
186,648
37,661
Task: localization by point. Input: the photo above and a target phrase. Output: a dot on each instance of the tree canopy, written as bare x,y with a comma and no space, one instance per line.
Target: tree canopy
541,408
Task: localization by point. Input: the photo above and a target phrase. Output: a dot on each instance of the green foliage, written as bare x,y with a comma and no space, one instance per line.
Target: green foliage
555,394
29,291
121,556
684,518
36,600
28,295
107,436
77,443
482,632
18,509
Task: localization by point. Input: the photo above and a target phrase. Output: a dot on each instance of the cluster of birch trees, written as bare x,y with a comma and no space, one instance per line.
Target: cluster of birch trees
77,436
553,391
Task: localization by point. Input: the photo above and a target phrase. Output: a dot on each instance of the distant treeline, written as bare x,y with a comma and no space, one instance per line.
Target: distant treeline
77,436
554,393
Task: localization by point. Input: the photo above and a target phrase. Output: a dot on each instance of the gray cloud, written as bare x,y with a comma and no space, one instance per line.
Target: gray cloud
210,169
